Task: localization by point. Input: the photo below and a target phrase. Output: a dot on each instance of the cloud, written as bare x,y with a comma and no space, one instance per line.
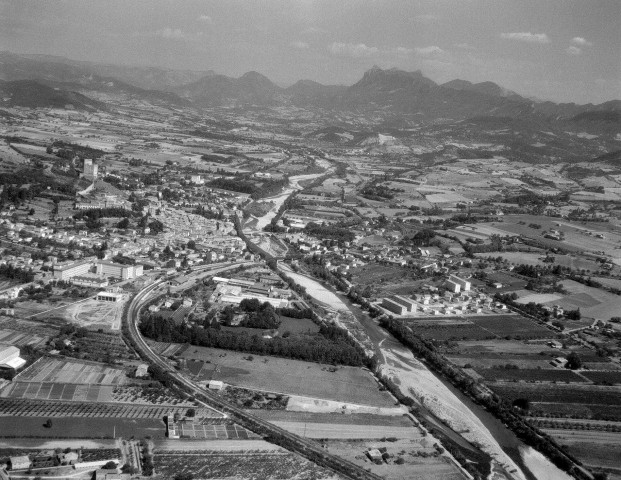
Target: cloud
357,50
526,37
206,19
404,51
465,46
171,33
573,50
299,44
428,51
583,42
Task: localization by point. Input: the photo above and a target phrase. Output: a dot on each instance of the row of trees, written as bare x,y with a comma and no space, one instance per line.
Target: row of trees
332,345
502,409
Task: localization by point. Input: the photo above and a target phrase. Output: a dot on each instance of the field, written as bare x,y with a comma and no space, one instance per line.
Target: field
595,449
34,328
530,375
325,430
38,408
334,418
20,339
610,377
252,465
482,328
58,391
81,427
55,370
210,430
95,315
421,461
568,394
291,377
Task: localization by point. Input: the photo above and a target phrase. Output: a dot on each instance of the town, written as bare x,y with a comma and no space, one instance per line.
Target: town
205,277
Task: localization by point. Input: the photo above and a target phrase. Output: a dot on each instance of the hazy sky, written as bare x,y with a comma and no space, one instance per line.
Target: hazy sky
563,50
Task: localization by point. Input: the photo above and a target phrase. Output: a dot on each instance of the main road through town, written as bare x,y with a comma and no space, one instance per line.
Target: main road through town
302,446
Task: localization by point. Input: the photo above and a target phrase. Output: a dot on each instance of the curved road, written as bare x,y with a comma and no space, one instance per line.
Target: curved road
306,448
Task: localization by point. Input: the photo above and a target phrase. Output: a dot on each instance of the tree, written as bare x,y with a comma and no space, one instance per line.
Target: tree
48,423
574,362
190,413
111,465
184,476
192,245
123,223
522,403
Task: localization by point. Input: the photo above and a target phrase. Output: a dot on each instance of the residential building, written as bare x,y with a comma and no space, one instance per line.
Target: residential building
67,271
464,284
119,271
393,306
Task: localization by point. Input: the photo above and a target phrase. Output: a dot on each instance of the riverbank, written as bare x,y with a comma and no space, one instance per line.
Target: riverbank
450,406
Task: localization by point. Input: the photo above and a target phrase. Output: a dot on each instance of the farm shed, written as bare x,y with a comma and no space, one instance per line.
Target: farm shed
142,370
216,385
374,455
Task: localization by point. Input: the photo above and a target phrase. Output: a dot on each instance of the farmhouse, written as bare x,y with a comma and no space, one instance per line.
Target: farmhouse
19,463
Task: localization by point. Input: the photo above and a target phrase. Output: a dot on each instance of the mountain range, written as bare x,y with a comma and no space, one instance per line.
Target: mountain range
410,95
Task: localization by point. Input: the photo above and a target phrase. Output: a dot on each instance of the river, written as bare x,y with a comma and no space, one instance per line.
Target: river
440,399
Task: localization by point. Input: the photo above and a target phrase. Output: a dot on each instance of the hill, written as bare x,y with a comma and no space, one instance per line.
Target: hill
32,94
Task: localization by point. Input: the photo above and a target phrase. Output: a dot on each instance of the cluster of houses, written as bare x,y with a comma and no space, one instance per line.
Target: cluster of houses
458,298
53,458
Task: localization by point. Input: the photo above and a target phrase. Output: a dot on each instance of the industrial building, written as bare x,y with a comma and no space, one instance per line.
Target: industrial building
236,300
91,281
9,357
109,297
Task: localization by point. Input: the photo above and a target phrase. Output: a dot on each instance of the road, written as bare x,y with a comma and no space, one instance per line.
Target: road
306,448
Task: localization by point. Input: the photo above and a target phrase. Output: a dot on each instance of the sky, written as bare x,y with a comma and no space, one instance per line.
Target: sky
560,50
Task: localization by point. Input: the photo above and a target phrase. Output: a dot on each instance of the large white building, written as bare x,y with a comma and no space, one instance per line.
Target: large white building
90,169
9,357
117,270
463,284
66,272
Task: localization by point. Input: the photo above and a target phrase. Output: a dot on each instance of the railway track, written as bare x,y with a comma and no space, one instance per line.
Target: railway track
302,446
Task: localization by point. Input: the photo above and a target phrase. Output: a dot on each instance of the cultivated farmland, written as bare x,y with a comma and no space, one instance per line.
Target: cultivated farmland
58,370
39,408
290,377
252,465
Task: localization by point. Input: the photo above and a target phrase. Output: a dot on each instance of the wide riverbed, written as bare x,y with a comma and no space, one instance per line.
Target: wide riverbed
440,397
